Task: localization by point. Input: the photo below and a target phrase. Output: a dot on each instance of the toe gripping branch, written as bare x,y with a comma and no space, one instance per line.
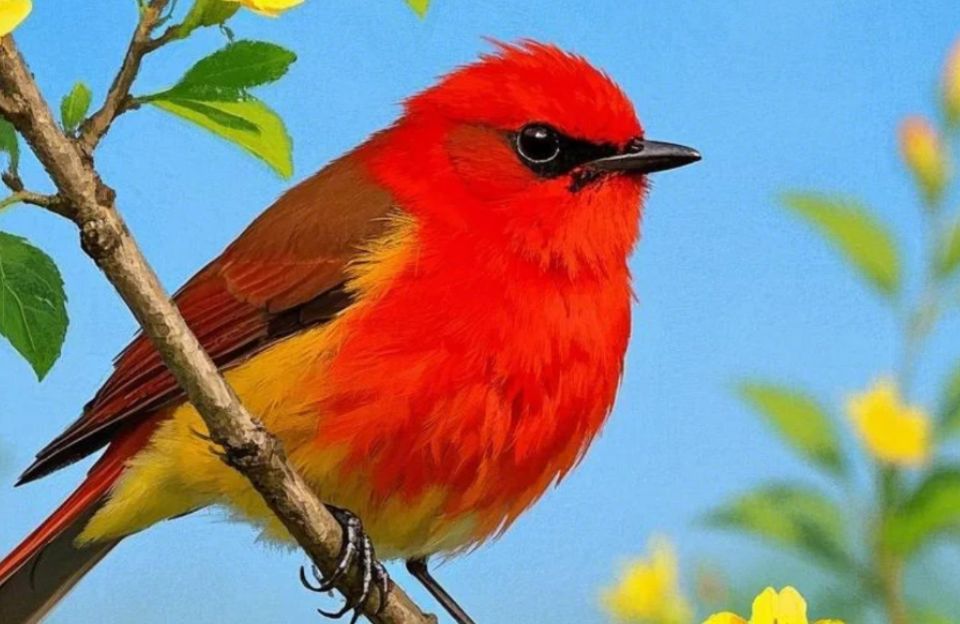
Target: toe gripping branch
356,549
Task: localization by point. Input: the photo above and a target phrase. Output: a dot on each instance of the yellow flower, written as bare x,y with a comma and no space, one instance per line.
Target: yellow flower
771,607
648,590
924,154
272,8
951,86
12,12
893,432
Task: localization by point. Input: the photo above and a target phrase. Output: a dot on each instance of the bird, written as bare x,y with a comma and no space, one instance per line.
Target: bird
434,325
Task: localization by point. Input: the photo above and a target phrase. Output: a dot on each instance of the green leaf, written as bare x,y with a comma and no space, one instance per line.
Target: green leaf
948,253
862,239
226,74
249,124
799,420
33,315
789,515
74,106
213,95
419,6
927,615
206,13
932,510
949,421
9,143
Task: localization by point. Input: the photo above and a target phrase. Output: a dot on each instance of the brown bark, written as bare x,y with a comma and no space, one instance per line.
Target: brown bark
86,200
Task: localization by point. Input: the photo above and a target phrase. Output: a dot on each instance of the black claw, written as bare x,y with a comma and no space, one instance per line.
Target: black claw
306,582
356,617
336,615
200,434
356,547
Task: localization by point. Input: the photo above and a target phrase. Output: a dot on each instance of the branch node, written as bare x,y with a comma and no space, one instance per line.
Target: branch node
98,239
105,195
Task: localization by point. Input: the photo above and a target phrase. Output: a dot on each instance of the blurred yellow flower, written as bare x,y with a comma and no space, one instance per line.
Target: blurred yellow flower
273,8
893,432
12,12
925,156
648,591
771,607
951,86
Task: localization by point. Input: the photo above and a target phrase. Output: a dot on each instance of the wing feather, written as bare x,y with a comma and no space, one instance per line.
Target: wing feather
284,272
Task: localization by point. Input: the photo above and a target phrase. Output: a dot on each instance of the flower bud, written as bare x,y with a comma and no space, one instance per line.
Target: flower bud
925,156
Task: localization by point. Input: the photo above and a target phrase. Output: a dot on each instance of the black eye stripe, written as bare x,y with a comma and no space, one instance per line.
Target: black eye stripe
570,154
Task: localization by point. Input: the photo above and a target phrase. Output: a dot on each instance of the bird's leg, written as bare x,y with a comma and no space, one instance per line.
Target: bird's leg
356,548
418,568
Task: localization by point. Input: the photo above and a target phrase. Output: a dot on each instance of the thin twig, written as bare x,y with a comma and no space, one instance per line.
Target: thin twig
11,179
10,201
118,98
172,33
89,203
52,203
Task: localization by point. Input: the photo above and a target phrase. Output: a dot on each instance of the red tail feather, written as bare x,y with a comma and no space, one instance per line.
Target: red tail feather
98,482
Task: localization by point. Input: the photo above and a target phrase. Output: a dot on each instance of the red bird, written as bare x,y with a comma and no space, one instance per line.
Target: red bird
434,325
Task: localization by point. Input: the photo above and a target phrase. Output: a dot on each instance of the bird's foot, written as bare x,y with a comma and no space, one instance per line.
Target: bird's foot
356,548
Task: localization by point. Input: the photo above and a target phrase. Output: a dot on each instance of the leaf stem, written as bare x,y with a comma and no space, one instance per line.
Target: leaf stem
918,322
888,565
891,569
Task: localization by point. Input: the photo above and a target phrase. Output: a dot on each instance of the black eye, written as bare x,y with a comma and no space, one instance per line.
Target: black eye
538,143
550,153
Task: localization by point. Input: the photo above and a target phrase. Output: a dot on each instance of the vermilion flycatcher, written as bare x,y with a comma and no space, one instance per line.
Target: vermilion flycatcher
434,325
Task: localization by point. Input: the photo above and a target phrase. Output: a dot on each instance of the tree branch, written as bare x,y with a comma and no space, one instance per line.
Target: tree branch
89,203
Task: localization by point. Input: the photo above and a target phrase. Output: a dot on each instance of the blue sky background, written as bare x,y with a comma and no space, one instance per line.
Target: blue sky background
776,95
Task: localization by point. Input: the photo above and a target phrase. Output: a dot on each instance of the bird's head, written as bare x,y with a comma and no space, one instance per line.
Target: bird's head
530,146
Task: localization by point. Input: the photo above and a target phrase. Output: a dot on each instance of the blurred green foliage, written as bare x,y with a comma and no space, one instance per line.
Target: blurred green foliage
917,498
800,420
870,539
865,242
419,6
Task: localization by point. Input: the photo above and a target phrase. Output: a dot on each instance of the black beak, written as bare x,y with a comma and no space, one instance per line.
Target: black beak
643,156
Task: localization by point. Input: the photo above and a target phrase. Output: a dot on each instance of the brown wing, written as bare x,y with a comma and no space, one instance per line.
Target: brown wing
284,273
